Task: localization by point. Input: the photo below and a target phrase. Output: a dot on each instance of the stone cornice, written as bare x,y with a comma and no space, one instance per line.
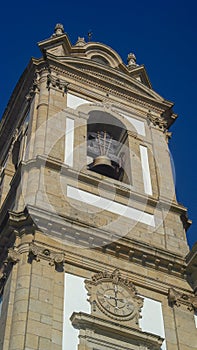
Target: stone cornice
39,245
146,255
74,233
94,265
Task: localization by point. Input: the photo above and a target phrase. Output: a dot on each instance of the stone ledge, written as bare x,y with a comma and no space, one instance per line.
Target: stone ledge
114,331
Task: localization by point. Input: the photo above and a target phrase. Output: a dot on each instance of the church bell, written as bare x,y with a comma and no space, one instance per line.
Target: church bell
102,149
102,165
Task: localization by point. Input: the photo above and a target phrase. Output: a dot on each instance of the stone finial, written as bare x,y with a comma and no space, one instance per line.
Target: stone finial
80,41
131,60
59,29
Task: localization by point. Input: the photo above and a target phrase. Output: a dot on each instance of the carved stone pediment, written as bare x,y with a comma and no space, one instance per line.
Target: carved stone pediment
114,297
113,77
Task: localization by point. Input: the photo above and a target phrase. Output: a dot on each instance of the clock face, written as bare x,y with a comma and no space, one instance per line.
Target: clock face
115,299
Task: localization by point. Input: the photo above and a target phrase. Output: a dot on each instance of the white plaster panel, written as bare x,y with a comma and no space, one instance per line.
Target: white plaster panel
111,206
75,300
195,319
138,124
69,142
152,319
146,170
75,101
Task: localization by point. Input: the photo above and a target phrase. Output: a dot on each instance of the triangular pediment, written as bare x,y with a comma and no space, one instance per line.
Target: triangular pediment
139,73
110,76
57,50
57,45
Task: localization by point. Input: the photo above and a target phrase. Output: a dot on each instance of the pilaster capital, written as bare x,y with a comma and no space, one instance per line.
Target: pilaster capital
56,82
54,258
157,121
177,298
35,87
13,257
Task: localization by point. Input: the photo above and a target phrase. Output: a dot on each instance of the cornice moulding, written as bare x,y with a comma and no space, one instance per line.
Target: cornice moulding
75,233
85,321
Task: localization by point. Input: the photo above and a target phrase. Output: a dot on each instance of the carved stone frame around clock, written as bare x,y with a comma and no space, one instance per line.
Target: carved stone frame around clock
126,288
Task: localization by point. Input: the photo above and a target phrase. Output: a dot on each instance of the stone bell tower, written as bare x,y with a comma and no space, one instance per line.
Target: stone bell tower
93,250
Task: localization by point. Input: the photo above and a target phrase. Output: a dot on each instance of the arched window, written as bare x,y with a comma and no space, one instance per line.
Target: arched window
100,59
107,146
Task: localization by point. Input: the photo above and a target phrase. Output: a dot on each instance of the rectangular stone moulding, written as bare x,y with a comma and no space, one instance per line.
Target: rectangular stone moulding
100,333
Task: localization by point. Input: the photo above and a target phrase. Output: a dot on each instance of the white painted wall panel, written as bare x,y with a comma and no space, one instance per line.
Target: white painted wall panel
112,206
75,101
75,299
69,142
138,124
146,170
152,319
195,319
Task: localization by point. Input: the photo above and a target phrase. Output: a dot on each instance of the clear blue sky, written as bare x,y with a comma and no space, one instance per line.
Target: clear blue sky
163,36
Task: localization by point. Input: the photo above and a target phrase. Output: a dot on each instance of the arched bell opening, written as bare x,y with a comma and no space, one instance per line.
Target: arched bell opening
107,146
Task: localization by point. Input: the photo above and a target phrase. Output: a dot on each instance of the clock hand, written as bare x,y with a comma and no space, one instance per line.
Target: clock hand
116,292
115,298
118,299
108,296
121,300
